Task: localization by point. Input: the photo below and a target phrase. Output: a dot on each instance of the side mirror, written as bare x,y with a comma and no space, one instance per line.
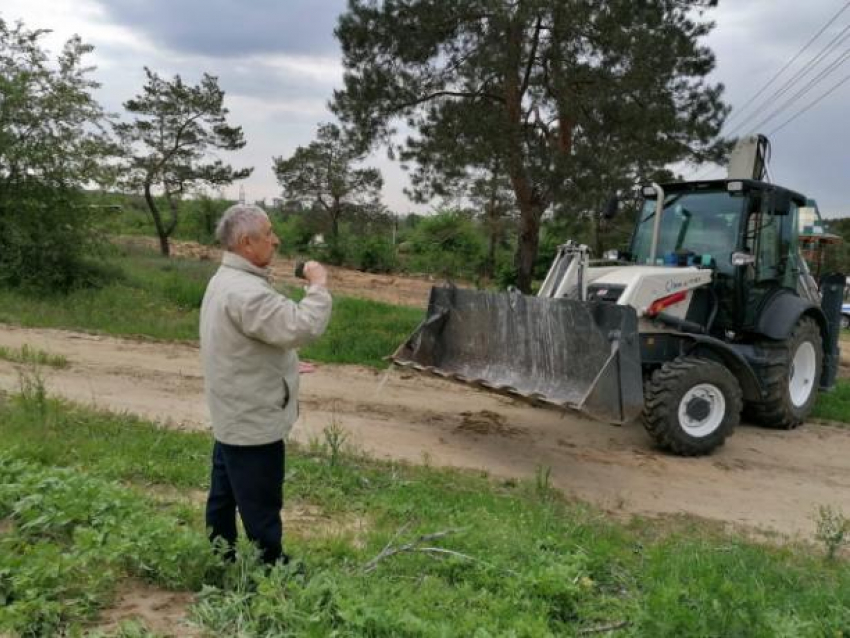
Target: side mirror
743,259
611,207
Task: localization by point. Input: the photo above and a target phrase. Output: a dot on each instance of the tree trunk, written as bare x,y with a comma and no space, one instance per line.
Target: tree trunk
336,210
597,233
172,207
527,244
209,222
490,262
531,204
164,248
492,232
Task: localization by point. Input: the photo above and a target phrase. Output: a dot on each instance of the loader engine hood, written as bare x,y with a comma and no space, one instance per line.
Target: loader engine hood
640,286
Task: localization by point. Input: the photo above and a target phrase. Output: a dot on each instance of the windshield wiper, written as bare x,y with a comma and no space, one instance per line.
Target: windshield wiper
673,200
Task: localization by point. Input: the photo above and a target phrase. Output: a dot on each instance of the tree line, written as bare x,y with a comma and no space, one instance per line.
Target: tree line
518,109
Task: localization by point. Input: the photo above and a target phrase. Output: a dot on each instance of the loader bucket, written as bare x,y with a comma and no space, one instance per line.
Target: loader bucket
580,355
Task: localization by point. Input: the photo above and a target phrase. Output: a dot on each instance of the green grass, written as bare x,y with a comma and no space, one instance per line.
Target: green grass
834,405
160,298
73,536
33,356
520,560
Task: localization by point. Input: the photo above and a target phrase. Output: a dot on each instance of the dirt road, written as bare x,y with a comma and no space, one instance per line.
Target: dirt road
760,479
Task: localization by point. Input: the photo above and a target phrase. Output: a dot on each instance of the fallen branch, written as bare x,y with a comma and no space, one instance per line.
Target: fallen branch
448,552
412,546
601,629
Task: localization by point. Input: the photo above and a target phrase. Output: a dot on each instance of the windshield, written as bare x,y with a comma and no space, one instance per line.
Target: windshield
704,223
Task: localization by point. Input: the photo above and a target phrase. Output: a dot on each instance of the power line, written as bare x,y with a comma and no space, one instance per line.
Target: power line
791,61
839,39
806,108
803,110
836,64
697,176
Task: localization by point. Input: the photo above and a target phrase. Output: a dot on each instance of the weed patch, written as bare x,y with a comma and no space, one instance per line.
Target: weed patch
29,355
833,530
72,536
834,405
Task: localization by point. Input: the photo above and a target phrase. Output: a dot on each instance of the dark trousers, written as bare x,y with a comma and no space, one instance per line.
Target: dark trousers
250,478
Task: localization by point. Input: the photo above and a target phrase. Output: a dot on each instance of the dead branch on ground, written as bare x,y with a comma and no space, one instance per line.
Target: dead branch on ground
415,545
601,629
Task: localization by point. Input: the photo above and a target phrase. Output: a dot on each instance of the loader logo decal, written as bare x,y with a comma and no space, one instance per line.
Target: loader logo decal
672,285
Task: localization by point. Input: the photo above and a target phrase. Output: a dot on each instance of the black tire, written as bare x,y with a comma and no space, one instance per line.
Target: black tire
663,396
845,321
777,409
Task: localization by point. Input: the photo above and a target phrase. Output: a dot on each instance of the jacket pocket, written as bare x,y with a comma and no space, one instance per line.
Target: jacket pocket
286,394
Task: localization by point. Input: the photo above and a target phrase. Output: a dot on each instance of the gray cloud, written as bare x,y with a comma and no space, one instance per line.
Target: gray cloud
268,82
226,28
275,60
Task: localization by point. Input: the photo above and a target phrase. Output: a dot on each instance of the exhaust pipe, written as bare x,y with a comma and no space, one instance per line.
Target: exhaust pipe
656,227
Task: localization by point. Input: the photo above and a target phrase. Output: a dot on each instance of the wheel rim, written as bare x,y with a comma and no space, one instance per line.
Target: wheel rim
801,381
701,410
845,321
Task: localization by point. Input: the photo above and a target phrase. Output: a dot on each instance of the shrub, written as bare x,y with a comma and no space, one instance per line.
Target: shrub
376,254
50,147
294,234
447,244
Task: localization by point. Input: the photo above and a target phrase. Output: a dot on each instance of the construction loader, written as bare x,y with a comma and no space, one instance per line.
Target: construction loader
711,314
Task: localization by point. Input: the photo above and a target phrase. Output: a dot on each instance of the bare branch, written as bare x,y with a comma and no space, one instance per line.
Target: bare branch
531,56
438,94
601,629
412,546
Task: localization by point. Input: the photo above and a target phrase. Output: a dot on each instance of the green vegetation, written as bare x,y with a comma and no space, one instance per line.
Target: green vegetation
127,214
323,175
160,298
437,553
833,530
835,405
34,356
191,129
146,296
51,144
73,535
448,244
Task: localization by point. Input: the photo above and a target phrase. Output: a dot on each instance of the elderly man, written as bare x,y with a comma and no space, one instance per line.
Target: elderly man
249,336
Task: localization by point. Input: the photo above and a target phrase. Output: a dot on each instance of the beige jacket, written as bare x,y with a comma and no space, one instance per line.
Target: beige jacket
249,337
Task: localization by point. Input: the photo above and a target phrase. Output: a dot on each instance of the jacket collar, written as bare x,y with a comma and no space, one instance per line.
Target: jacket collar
232,260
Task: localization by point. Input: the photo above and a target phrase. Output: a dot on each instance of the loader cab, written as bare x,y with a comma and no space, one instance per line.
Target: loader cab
744,230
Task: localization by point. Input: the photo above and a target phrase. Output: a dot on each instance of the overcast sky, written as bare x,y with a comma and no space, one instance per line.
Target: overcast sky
278,62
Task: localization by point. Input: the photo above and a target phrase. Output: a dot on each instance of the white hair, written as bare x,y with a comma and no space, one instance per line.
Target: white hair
238,221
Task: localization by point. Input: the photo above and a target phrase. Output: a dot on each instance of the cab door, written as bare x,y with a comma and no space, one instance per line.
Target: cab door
768,238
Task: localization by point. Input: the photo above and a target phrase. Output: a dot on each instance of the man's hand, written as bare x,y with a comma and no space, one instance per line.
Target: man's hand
315,274
306,368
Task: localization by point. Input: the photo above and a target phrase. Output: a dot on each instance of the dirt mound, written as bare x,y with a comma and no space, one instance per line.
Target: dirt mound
485,422
394,289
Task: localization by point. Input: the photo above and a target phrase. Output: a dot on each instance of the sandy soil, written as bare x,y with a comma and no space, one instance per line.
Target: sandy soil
161,611
761,479
394,289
